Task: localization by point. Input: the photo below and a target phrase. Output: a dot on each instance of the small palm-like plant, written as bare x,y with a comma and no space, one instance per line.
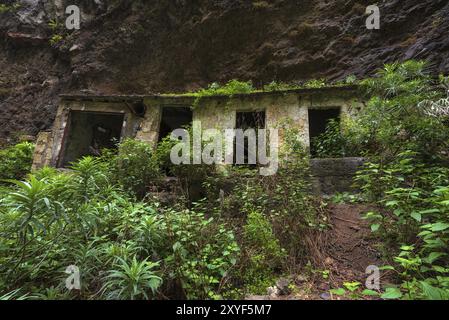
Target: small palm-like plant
28,216
132,281
31,209
14,295
89,177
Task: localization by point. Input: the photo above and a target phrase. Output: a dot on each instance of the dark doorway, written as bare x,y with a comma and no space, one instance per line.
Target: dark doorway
318,121
88,133
174,118
245,121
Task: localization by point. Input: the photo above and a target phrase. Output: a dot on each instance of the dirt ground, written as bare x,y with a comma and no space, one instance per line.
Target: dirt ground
350,247
348,250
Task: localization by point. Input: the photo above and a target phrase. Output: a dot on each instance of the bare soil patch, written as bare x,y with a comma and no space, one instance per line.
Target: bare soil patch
345,252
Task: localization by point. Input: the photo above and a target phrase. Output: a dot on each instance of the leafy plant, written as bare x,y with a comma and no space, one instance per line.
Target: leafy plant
132,280
9,8
16,161
264,253
393,120
200,253
408,178
55,39
135,167
229,89
14,295
280,86
89,177
331,143
315,83
353,291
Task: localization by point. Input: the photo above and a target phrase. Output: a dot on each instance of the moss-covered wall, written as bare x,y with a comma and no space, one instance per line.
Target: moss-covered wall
290,108
213,113
57,139
149,128
43,150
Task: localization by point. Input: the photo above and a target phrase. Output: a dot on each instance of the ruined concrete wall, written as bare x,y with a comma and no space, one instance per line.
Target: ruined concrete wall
42,151
286,108
148,130
334,175
289,108
59,131
221,113
150,126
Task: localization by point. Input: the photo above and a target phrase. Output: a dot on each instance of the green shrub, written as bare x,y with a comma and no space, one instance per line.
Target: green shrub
16,161
191,176
135,167
337,141
229,89
199,254
393,120
331,143
9,8
123,248
396,187
258,232
408,178
89,177
416,214
13,295
55,39
280,86
264,253
29,218
284,201
131,281
315,83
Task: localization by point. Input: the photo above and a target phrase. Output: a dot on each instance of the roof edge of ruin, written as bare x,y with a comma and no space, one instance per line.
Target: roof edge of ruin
140,98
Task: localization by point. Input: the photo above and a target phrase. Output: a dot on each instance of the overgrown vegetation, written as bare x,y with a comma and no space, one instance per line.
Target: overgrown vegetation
16,161
9,7
234,87
229,89
58,32
102,218
124,248
408,177
233,232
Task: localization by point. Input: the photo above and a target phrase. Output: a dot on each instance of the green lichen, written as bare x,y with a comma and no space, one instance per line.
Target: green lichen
9,8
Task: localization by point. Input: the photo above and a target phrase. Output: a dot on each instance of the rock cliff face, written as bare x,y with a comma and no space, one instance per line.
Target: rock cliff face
164,46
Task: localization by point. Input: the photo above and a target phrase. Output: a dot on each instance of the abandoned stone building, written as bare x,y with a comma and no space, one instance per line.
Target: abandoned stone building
85,124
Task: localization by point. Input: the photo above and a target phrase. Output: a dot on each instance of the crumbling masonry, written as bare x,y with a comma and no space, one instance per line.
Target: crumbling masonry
84,123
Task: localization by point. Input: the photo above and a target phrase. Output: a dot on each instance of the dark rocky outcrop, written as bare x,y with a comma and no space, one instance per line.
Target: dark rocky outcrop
163,46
